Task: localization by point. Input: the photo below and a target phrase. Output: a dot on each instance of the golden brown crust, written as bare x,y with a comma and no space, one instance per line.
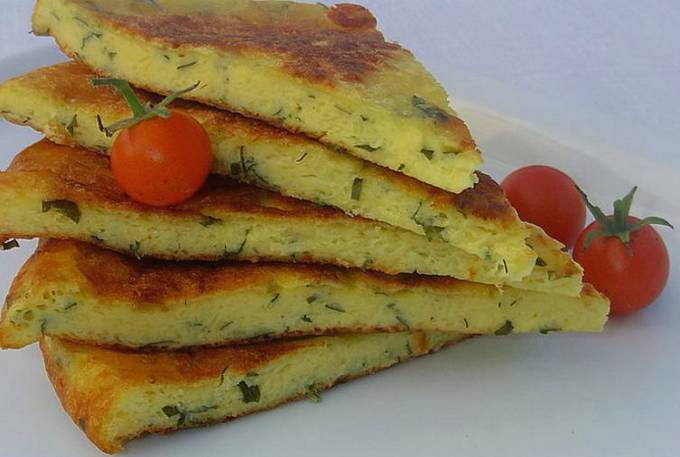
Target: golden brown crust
71,83
89,403
84,176
309,44
149,282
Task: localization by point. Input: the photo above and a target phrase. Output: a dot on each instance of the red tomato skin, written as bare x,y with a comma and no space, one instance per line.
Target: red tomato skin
547,197
162,162
631,277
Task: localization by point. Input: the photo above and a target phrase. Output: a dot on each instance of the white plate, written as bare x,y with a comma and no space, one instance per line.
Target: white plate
614,394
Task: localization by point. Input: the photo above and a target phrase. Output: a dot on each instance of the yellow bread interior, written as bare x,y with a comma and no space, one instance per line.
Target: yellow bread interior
61,102
118,396
285,63
80,292
48,185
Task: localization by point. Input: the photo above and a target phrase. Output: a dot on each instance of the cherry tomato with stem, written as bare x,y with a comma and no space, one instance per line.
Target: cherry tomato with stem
160,157
624,257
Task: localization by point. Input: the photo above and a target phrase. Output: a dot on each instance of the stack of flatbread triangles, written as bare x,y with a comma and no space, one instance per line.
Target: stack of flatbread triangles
346,227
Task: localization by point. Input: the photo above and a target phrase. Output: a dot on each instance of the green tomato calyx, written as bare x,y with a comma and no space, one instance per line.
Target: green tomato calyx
618,225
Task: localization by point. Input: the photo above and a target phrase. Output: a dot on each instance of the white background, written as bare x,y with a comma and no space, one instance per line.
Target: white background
590,86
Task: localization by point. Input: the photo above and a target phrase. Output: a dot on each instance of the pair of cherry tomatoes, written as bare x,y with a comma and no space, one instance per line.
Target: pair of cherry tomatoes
624,257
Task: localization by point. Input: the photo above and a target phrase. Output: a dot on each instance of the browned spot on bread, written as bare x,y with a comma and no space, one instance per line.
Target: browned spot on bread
352,16
116,277
308,43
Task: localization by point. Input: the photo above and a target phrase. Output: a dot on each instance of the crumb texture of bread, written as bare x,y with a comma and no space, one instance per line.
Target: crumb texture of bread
54,191
288,64
61,102
80,292
117,396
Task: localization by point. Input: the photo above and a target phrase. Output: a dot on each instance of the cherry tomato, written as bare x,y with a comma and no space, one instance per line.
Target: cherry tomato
162,161
548,198
624,257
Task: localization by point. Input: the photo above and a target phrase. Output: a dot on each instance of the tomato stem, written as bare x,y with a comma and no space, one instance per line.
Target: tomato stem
140,112
619,225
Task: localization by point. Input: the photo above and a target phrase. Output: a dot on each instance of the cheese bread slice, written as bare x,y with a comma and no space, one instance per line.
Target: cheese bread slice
84,293
53,191
115,397
325,72
61,102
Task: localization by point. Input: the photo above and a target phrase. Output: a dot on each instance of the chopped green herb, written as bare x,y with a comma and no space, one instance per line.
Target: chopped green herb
340,108
112,54
235,169
279,113
9,244
467,325
71,126
275,299
514,302
312,298
403,322
506,329
540,262
207,221
224,372
307,319
69,306
156,345
356,188
313,394
364,118
170,411
335,307
251,394
505,266
429,153
186,65
367,147
224,327
100,125
431,231
88,37
301,158
430,110
134,249
81,20
367,263
228,254
545,331
64,207
401,167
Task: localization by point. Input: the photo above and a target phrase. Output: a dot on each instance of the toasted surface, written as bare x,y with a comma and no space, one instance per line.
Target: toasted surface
47,183
84,293
301,66
61,102
118,396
